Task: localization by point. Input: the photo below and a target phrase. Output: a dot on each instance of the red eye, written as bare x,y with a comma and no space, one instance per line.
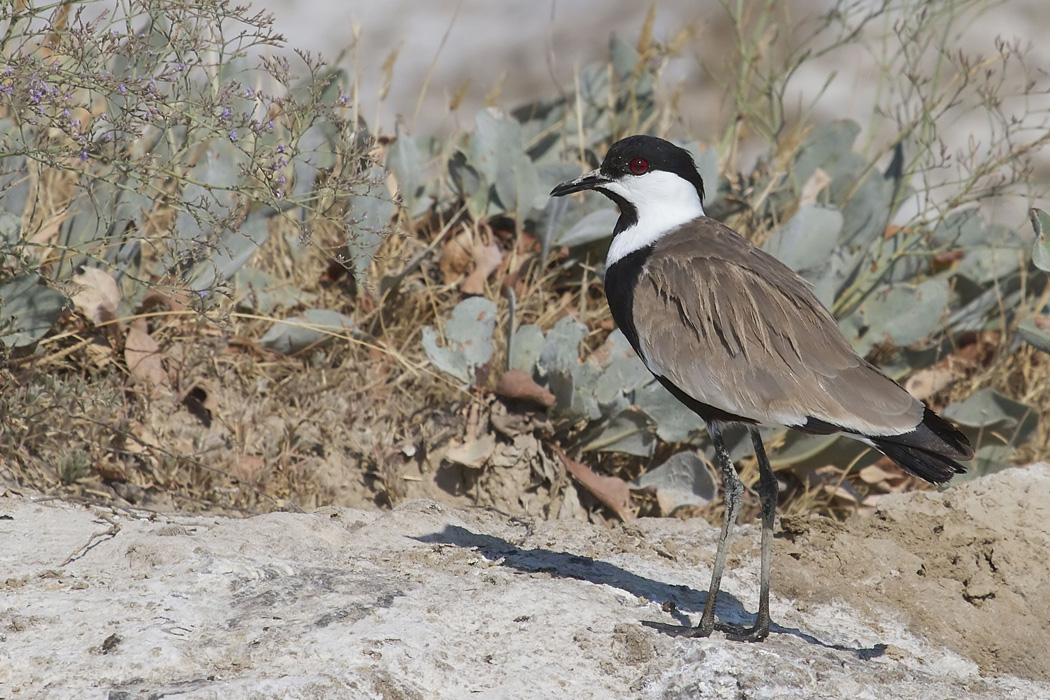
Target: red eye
639,166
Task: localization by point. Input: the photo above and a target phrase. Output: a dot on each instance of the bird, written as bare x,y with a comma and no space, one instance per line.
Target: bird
740,339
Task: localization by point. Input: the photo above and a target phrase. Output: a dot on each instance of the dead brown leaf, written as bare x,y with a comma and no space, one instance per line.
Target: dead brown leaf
110,470
927,382
246,467
143,356
456,257
95,294
49,229
613,492
816,184
155,300
949,257
874,474
945,261
472,453
517,384
201,403
487,259
143,438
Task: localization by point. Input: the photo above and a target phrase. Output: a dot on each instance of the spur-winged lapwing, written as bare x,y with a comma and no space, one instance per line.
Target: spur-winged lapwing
738,337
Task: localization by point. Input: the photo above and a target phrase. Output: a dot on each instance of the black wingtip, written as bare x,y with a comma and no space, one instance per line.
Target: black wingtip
958,444
935,468
930,451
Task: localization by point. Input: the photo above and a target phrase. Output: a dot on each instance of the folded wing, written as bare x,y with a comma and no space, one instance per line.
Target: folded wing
738,330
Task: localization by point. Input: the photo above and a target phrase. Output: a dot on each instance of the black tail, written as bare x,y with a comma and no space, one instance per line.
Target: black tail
929,452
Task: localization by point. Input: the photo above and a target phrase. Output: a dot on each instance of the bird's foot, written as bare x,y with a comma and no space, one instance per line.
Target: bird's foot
679,630
736,633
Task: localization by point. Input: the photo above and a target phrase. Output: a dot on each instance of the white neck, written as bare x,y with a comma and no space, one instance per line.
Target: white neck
664,202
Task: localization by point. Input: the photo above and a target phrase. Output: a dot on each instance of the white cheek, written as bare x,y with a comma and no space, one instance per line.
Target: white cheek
664,202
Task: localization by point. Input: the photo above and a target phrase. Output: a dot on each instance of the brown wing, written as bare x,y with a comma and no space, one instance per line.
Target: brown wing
736,329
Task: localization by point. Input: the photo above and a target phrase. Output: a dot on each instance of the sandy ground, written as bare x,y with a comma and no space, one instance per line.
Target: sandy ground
938,595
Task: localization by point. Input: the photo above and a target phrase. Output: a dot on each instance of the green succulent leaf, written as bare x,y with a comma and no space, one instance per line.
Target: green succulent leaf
525,348
706,160
234,249
830,148
799,447
997,425
571,382
101,213
1034,335
262,293
983,309
14,170
471,185
805,242
867,211
495,137
900,258
28,309
595,226
621,377
684,479
904,314
468,339
405,161
562,350
10,229
989,459
988,408
990,252
368,221
624,57
1041,249
628,432
314,328
594,94
497,153
209,199
519,188
674,422
314,152
841,266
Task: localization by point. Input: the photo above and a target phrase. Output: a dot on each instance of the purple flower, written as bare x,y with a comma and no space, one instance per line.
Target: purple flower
233,136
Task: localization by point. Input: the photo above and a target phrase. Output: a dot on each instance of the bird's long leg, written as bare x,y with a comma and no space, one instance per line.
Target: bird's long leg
767,491
734,492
